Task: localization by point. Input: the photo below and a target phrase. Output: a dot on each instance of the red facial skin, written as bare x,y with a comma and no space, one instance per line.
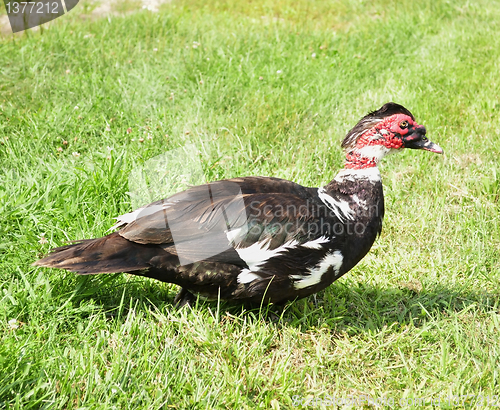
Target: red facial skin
390,140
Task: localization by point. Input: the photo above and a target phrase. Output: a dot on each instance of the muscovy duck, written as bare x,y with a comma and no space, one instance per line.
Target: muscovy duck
257,239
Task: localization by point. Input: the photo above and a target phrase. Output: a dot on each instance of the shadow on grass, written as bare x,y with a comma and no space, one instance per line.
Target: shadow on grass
351,307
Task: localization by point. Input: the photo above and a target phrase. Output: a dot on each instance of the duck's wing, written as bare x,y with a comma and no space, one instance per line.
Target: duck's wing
224,220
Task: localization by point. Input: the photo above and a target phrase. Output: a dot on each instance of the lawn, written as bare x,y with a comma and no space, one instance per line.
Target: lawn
260,88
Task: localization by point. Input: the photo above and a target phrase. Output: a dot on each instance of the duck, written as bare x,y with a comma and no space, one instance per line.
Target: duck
257,239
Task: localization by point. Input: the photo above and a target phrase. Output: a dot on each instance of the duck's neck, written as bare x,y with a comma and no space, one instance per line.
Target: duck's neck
360,166
357,161
366,157
350,175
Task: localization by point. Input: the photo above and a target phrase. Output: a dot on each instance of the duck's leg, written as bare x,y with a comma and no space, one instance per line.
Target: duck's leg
184,297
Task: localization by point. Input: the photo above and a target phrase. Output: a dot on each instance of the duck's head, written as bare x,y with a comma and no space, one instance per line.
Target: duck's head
392,127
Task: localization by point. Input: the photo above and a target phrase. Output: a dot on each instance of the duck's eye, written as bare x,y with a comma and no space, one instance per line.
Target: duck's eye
403,124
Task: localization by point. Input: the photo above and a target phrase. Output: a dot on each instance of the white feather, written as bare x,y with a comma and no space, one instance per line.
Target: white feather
341,208
360,202
316,243
246,276
375,152
233,234
138,213
372,174
258,253
334,260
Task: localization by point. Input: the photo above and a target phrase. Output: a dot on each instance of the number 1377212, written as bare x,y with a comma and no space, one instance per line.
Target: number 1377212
32,7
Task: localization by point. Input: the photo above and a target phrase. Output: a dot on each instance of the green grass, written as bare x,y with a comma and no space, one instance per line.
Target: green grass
417,318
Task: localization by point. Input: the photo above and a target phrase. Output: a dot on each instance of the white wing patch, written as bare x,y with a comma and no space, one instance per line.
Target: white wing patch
334,260
246,276
258,253
316,243
233,234
341,208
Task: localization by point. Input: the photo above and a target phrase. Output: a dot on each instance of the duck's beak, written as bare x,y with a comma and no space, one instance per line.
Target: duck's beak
417,140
